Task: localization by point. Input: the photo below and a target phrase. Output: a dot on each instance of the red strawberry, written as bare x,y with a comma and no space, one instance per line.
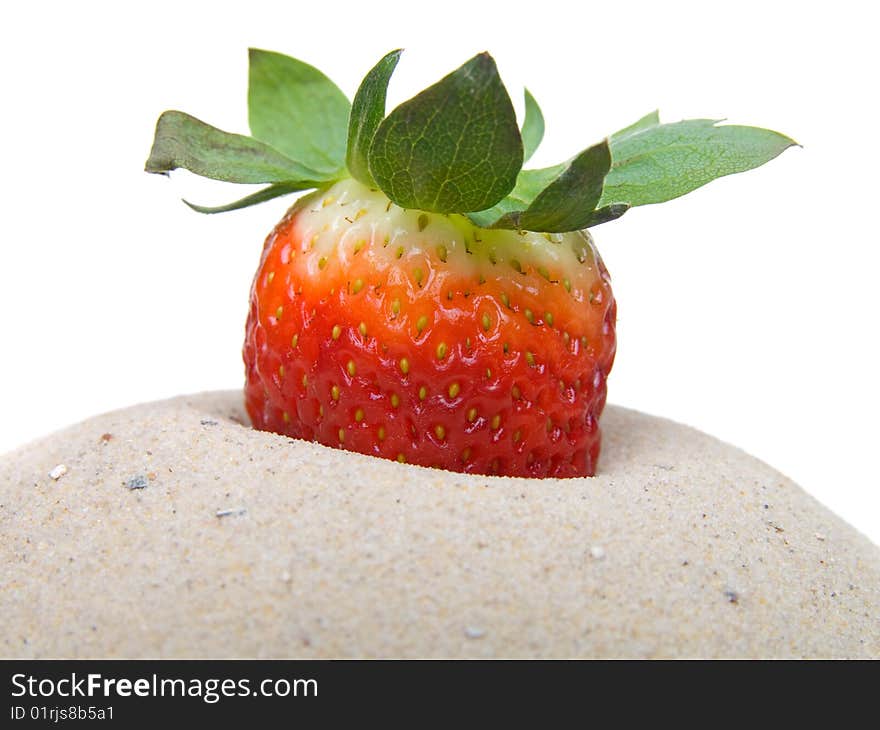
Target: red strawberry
421,337
432,302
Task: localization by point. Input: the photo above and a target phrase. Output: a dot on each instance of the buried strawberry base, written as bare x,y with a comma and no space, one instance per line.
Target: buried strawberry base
484,351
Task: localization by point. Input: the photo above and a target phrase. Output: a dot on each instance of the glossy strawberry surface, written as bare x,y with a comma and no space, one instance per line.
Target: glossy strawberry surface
420,337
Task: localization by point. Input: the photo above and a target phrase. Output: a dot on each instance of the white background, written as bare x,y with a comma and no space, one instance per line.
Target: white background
747,309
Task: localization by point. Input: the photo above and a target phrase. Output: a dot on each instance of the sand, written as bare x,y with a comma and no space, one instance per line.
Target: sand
173,530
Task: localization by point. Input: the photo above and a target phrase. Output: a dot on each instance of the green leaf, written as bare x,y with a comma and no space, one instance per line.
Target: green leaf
184,141
367,112
568,202
649,120
532,128
298,110
606,213
453,148
529,184
654,162
261,196
554,200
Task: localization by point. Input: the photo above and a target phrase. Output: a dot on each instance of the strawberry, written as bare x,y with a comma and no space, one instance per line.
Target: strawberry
431,301
421,337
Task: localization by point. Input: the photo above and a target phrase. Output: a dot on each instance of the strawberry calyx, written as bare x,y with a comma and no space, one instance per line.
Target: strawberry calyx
454,148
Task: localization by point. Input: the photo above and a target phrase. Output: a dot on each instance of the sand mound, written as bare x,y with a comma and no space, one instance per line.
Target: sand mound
173,530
